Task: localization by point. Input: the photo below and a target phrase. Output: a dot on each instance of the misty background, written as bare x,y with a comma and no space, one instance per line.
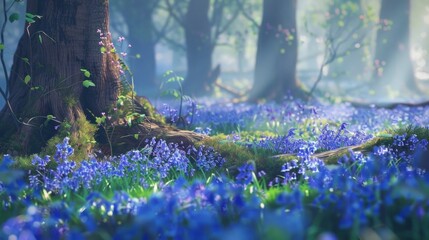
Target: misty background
156,31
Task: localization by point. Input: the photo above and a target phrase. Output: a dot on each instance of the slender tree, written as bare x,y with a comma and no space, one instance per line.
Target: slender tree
392,55
277,50
47,81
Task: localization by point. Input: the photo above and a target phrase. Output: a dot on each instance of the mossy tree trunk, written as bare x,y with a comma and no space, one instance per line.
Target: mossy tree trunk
277,51
46,77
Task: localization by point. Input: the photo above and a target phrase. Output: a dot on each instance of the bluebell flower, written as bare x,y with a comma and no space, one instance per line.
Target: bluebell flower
245,173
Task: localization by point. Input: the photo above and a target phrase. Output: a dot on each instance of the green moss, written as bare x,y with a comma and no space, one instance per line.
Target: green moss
81,139
420,132
237,155
150,110
70,100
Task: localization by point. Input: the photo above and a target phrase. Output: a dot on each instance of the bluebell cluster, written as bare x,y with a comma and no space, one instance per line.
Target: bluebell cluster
359,192
157,161
162,196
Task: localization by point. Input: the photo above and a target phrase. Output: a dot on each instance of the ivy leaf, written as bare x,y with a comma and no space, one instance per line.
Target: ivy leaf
85,72
30,18
27,79
88,83
13,17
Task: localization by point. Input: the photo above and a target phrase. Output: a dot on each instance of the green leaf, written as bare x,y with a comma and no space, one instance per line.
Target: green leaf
167,73
136,136
29,15
50,117
103,49
85,72
29,20
100,120
13,17
26,60
129,120
88,83
1,46
172,92
40,39
27,79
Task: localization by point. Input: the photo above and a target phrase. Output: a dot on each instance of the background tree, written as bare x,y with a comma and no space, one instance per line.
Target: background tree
277,50
393,64
203,23
48,81
138,18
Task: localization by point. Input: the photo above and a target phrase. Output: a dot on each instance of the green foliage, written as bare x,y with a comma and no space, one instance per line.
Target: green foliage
172,78
27,79
13,17
81,135
31,18
238,154
87,83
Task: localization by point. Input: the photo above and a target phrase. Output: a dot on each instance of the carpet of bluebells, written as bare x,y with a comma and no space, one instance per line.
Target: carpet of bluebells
167,191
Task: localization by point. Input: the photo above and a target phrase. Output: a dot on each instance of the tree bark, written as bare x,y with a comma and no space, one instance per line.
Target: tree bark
277,50
199,48
52,51
392,55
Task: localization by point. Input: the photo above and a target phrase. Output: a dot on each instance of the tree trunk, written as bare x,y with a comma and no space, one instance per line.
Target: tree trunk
199,48
277,50
138,16
393,64
52,52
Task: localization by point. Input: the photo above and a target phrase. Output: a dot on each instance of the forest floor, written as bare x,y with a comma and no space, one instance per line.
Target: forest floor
267,171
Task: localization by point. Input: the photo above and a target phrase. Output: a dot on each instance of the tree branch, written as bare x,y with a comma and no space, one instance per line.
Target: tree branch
178,16
247,15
